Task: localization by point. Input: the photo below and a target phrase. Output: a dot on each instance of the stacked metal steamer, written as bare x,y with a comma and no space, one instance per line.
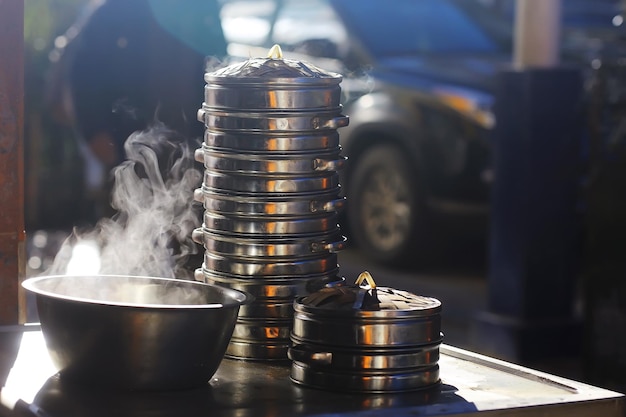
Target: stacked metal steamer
271,192
365,338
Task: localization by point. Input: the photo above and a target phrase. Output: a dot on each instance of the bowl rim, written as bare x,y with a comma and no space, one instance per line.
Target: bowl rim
236,297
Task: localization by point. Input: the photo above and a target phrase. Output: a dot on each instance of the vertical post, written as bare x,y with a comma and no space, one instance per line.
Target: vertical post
537,33
535,228
12,234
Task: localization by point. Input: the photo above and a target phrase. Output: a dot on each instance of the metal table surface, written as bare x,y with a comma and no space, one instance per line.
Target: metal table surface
472,385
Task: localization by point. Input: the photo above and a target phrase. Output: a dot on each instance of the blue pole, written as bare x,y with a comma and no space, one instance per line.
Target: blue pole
534,236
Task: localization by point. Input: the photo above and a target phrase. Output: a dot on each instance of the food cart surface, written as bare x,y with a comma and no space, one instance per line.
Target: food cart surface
472,384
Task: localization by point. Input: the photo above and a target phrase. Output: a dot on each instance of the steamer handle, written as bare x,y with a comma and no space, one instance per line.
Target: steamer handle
328,164
365,276
198,195
320,358
328,206
337,122
197,235
198,155
329,246
200,114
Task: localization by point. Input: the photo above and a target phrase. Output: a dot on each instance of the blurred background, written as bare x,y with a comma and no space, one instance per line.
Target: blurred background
499,190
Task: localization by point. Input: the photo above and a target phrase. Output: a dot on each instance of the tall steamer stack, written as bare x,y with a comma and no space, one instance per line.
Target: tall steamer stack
271,192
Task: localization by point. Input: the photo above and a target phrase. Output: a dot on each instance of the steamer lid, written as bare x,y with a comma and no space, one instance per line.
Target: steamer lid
359,297
272,69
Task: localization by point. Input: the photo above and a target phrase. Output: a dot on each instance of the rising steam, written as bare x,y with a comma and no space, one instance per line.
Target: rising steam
151,233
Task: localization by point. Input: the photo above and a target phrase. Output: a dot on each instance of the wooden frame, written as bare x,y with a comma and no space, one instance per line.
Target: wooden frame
12,234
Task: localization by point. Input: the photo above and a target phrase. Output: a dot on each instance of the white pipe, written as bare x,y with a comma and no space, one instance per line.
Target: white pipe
537,33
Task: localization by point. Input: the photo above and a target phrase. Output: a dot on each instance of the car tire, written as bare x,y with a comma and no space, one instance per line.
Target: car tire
385,209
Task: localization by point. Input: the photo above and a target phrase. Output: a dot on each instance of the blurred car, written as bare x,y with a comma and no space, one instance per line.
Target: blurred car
418,88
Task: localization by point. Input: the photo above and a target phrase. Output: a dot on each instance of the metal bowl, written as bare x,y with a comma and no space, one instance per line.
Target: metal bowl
136,333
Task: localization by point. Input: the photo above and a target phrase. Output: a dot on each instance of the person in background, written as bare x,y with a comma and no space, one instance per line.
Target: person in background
124,65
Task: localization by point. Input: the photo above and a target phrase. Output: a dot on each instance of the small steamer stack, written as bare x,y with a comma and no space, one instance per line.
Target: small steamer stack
271,192
366,339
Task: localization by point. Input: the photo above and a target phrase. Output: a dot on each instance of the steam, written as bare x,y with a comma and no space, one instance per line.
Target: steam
151,233
211,63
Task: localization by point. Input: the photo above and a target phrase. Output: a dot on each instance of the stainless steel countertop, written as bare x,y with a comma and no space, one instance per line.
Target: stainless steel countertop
472,385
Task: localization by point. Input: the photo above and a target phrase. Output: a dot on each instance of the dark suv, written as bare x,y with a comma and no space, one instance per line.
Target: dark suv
418,88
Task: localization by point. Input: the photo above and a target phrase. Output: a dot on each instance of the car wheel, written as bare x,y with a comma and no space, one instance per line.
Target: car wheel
384,205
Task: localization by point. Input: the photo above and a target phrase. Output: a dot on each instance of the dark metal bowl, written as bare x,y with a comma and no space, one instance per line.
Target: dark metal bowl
137,333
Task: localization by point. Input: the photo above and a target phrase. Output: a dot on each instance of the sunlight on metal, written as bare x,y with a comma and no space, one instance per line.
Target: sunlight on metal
22,385
85,259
